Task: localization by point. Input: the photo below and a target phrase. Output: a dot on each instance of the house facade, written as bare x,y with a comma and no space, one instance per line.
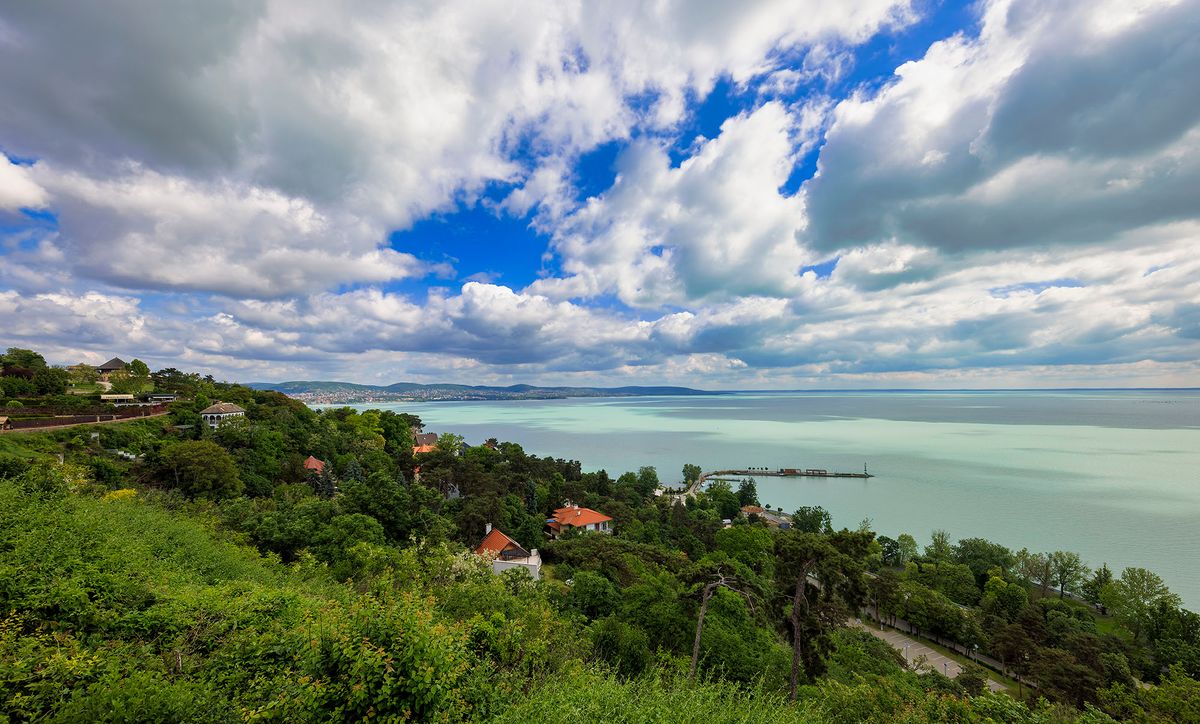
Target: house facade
574,517
505,553
214,415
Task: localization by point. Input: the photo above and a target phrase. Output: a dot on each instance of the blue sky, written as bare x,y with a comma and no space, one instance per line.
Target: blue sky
756,195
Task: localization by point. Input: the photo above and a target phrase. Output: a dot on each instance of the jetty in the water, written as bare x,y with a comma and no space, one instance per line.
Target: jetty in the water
771,472
794,473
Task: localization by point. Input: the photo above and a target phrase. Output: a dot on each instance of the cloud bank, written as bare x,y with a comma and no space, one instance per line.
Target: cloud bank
219,187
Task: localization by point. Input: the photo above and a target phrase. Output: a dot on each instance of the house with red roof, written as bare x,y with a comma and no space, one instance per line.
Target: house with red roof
572,516
506,553
314,465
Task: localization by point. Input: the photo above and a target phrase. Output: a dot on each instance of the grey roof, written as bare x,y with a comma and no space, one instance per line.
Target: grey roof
116,363
425,438
221,408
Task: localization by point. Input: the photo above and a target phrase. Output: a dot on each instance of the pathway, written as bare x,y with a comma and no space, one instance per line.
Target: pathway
913,650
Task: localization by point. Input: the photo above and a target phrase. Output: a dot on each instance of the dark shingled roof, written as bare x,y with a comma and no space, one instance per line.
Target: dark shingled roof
114,364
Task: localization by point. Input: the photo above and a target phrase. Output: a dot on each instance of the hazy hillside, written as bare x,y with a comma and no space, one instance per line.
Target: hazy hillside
327,391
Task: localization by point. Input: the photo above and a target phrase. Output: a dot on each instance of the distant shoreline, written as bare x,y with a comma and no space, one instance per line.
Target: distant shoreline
334,393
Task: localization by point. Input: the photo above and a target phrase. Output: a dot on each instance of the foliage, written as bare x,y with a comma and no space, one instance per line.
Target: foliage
1134,596
199,468
812,519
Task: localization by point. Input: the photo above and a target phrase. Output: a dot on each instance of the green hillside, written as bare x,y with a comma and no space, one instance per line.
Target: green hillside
300,565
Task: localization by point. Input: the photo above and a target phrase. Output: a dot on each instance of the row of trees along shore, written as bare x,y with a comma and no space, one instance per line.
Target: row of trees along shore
190,574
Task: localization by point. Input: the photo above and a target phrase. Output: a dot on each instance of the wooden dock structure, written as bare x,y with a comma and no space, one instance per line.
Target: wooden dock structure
772,473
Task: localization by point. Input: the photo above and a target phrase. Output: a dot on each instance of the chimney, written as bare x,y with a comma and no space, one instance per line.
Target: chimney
487,528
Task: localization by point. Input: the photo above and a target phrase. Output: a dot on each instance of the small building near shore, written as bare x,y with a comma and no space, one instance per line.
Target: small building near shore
572,516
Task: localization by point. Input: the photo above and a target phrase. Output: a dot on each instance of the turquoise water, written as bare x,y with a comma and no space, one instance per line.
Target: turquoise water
1112,475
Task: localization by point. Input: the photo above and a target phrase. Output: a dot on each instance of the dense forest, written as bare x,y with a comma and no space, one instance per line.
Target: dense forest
161,570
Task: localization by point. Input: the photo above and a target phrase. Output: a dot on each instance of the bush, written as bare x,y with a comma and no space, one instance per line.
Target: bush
623,646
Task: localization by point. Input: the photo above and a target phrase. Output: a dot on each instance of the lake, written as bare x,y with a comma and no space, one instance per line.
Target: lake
1112,475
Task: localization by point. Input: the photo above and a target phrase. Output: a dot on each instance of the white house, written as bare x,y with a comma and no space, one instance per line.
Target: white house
214,415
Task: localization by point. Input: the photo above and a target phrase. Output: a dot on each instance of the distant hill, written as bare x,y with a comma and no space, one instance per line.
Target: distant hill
326,391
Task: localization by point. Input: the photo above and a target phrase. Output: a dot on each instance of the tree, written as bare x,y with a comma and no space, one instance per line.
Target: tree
939,548
1095,585
82,374
647,481
125,382
1133,597
1069,571
50,380
593,595
750,545
624,646
718,578
889,550
747,492
1013,645
200,468
906,548
973,678
1035,568
1003,599
690,473
138,368
823,577
982,555
25,358
447,442
885,590
812,519
728,505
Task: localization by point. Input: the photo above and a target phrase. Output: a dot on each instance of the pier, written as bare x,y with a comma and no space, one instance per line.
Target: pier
771,473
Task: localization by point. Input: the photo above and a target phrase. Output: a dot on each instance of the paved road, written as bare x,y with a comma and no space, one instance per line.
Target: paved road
913,650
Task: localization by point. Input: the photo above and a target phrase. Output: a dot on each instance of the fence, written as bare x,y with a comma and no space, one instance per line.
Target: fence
68,420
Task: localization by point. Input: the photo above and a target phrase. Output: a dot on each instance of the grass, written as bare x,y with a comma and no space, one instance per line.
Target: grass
28,445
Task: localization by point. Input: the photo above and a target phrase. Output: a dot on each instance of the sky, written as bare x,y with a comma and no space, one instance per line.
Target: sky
752,195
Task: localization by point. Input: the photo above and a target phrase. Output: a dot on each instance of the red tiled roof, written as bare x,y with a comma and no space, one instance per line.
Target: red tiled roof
314,465
752,509
417,449
496,542
576,516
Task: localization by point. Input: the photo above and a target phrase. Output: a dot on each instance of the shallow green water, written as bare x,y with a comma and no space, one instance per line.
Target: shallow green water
1113,475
